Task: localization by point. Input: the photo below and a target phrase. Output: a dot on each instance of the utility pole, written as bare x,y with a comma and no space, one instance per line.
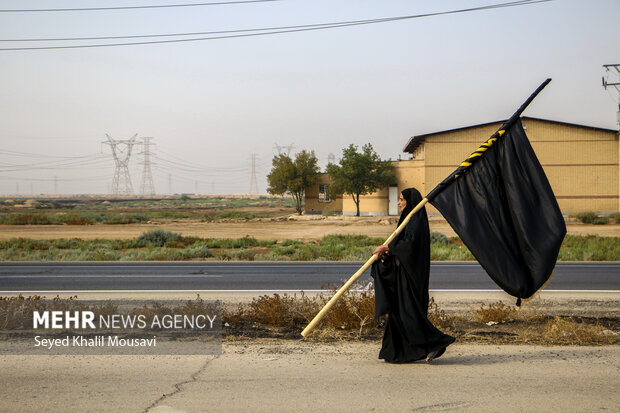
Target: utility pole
147,187
121,183
615,69
253,184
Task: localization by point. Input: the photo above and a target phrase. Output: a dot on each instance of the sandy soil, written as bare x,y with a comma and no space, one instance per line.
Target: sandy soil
304,229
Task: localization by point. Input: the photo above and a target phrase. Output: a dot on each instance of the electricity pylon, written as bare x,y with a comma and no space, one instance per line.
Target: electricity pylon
147,187
121,151
253,184
281,149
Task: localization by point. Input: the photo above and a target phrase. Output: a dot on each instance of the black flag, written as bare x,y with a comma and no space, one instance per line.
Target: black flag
501,205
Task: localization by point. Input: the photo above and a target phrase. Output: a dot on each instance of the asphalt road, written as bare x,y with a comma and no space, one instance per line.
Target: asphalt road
266,276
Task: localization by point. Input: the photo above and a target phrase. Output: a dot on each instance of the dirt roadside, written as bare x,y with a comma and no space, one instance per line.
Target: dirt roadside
284,376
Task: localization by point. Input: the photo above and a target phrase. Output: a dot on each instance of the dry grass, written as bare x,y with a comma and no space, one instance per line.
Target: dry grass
351,317
16,312
286,315
573,330
496,312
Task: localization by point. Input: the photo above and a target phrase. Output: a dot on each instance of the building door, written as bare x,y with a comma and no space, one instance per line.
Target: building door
393,200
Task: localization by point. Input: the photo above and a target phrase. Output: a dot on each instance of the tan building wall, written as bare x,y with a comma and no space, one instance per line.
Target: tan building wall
372,204
314,205
409,174
580,162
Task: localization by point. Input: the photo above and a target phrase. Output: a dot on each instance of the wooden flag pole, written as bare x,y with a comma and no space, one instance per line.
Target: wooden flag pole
359,272
431,195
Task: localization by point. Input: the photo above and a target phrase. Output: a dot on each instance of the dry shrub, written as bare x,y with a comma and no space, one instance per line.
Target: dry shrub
16,312
278,310
559,330
352,315
198,307
497,312
354,311
437,316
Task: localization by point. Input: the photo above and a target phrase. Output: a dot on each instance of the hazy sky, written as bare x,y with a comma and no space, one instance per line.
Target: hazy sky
211,104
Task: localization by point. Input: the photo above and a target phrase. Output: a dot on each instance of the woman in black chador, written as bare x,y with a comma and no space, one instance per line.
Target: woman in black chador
401,290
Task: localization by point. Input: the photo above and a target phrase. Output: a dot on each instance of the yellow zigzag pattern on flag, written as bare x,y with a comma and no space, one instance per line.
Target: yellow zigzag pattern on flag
478,152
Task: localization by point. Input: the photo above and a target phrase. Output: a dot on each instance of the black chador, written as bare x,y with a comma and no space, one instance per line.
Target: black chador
401,291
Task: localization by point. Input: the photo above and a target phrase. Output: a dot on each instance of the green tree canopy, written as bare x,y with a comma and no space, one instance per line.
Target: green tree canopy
293,177
360,173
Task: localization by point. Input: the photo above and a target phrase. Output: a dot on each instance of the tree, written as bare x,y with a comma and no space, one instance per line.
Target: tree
360,173
293,177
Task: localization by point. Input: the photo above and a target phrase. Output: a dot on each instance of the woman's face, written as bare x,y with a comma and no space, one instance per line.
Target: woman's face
401,203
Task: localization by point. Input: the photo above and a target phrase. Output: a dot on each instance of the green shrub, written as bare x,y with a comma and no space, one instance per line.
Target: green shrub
25,219
290,250
237,255
308,252
124,219
271,256
614,217
599,221
451,252
197,250
104,253
157,237
590,248
358,254
289,242
75,219
245,254
586,217
439,238
244,242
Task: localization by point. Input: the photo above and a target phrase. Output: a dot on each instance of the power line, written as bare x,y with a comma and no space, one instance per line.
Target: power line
200,171
280,30
92,178
154,6
91,162
138,36
35,155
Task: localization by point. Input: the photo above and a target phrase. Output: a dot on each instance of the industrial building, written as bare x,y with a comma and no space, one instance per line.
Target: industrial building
581,163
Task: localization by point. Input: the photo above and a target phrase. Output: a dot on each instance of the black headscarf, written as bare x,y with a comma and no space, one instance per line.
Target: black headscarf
412,246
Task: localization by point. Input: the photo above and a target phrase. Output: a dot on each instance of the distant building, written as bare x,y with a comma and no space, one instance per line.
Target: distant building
581,163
